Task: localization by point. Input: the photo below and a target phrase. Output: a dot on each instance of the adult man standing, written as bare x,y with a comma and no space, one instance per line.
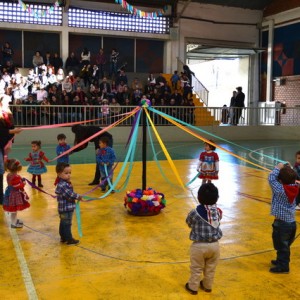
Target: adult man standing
239,104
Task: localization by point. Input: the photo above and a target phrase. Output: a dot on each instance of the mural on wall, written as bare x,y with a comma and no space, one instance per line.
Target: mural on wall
286,51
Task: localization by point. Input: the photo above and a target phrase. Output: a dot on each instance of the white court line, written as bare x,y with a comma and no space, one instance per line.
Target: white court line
252,153
30,288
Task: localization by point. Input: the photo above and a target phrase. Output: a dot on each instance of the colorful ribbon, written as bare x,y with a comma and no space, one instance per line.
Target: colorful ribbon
171,163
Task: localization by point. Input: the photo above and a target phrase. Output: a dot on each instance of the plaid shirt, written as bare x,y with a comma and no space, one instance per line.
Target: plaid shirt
201,230
65,196
280,206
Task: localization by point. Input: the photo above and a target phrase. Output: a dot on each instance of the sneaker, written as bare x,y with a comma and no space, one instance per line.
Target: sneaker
189,290
297,207
16,225
203,288
94,183
279,270
19,221
72,242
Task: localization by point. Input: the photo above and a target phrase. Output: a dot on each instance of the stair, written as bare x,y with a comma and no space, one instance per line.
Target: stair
203,116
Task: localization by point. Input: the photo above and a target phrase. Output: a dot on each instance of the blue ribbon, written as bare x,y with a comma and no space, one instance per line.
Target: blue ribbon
213,135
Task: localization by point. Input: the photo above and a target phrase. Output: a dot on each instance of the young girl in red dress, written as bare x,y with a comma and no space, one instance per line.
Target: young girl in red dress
15,197
208,166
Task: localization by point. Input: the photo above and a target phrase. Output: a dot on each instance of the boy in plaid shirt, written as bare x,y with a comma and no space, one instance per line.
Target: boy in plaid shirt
204,222
66,202
284,189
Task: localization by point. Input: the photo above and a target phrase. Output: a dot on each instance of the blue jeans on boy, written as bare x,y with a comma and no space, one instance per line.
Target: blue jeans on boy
283,236
104,178
65,225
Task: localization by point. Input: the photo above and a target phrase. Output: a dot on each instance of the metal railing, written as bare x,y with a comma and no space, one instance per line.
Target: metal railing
198,88
34,115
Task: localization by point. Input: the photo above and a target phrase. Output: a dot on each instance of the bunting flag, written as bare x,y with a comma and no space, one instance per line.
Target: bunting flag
139,13
38,13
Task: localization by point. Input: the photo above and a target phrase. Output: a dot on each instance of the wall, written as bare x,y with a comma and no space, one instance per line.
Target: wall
173,134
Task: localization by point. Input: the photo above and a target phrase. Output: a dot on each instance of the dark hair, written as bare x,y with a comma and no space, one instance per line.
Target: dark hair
287,175
61,166
239,88
61,136
38,143
213,148
13,165
104,140
208,194
297,153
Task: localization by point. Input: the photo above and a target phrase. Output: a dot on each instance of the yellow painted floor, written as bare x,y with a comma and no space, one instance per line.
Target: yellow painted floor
121,256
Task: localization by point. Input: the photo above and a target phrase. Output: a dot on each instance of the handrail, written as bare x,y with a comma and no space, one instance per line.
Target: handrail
34,115
198,87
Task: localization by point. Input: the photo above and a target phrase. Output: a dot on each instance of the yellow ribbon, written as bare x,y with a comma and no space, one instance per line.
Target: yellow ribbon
164,149
211,143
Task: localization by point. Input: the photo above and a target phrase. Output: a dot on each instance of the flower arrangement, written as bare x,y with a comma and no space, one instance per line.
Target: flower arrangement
144,203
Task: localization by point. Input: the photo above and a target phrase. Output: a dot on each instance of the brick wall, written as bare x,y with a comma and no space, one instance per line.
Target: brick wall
289,91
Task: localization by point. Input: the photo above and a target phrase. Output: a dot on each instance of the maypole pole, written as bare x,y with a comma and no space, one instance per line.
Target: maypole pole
144,151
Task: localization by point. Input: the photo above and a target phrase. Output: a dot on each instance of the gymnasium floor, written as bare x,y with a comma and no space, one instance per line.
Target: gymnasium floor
121,256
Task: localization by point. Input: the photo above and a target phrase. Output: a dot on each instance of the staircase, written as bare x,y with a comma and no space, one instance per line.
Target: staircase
203,116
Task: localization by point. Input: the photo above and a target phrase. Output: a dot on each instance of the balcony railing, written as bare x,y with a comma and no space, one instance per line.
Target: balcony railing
34,115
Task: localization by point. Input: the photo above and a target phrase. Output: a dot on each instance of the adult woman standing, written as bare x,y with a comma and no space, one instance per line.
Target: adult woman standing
85,57
7,132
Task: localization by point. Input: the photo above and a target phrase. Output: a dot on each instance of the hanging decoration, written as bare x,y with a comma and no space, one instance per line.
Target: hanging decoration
140,13
38,13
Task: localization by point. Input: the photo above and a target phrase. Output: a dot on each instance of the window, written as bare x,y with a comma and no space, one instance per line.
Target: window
117,21
33,14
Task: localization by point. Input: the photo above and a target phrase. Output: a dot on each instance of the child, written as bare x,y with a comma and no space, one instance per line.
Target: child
208,165
284,191
61,148
204,222
297,169
37,167
175,79
66,202
105,155
15,198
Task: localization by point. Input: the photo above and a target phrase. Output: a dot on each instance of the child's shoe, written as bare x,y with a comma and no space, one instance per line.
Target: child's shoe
40,184
279,270
72,242
189,290
19,221
16,225
203,288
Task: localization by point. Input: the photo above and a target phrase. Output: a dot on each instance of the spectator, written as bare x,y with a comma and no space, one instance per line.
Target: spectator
72,64
239,105
85,57
7,54
57,62
101,61
113,63
37,62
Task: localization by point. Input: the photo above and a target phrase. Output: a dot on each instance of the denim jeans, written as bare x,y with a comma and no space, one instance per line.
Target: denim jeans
283,236
65,225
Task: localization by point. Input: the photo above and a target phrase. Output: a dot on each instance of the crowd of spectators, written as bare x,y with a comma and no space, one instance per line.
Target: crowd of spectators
47,96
